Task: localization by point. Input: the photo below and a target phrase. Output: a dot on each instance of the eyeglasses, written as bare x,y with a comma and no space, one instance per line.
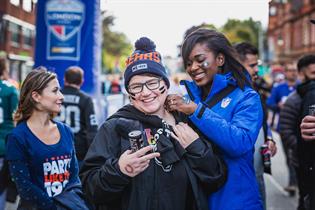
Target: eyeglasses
151,84
253,65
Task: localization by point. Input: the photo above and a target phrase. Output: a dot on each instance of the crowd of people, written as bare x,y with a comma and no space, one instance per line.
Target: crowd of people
204,150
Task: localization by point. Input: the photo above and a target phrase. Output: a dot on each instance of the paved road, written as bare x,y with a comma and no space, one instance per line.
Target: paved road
277,198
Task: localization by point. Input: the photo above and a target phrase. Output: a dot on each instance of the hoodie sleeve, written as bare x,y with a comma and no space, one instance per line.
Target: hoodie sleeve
237,136
20,174
209,169
101,177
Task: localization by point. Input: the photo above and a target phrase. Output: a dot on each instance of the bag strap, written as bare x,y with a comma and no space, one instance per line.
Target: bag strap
220,95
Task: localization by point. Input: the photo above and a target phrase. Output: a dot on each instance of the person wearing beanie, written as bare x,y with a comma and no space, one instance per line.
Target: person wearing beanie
144,157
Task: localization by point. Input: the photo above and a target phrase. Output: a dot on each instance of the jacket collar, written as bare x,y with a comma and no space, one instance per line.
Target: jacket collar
303,88
220,81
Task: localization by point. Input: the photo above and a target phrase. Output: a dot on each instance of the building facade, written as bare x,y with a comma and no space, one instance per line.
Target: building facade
17,35
290,32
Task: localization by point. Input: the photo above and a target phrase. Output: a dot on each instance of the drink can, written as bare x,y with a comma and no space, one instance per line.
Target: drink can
136,140
311,110
266,158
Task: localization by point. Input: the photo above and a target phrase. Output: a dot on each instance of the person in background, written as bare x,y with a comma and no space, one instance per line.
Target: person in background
232,123
277,98
175,169
290,118
248,55
8,104
77,111
41,165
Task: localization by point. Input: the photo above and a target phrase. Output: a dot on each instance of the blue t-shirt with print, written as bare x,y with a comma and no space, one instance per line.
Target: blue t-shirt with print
41,171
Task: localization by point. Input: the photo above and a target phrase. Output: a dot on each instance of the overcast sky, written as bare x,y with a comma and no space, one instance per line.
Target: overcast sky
165,21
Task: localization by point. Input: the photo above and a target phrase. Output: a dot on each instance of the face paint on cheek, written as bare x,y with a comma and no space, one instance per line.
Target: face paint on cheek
162,89
204,65
132,96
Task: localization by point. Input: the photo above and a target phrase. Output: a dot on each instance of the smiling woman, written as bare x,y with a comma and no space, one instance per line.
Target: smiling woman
115,178
42,166
226,110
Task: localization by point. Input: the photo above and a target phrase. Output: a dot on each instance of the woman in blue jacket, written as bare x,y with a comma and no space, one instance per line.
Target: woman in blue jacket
232,123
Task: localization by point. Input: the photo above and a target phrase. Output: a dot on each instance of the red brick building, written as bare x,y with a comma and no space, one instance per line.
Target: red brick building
290,33
17,32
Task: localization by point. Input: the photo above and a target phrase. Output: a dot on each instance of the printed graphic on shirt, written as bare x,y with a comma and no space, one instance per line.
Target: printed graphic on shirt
153,139
56,174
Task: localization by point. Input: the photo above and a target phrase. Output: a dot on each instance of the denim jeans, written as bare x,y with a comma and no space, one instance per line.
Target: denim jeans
259,168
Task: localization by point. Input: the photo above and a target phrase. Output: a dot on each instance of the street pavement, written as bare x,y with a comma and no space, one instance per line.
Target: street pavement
277,198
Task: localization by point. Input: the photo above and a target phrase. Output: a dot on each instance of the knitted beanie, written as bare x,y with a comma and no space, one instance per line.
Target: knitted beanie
144,60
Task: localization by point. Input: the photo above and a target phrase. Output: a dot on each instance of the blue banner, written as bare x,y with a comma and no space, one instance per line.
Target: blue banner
68,32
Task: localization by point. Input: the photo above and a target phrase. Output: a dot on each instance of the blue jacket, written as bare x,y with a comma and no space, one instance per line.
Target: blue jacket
233,125
279,93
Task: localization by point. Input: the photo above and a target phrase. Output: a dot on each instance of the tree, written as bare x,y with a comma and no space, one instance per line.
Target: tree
115,46
239,31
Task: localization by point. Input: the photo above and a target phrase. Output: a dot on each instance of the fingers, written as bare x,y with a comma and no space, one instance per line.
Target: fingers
307,125
309,118
174,135
142,151
148,157
132,164
173,100
308,137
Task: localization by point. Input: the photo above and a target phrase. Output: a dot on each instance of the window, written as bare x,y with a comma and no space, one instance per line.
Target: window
15,2
15,34
27,5
27,37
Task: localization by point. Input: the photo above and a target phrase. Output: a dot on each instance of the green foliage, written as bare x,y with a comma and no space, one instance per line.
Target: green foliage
235,30
115,47
239,31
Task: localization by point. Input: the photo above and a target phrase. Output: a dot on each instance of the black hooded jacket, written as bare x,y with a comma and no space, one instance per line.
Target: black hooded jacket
183,179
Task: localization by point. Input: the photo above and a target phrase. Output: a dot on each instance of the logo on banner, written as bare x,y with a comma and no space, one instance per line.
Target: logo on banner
64,20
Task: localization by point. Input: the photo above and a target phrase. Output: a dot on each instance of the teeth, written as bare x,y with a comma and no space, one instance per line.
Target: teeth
148,100
199,76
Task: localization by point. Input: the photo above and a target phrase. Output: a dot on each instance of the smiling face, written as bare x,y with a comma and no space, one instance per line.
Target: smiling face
149,101
50,99
202,64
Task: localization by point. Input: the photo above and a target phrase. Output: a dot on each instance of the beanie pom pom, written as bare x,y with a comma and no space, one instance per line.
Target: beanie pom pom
145,44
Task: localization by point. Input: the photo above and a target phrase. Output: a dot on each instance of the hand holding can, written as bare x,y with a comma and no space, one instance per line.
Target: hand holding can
311,111
136,140
308,125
